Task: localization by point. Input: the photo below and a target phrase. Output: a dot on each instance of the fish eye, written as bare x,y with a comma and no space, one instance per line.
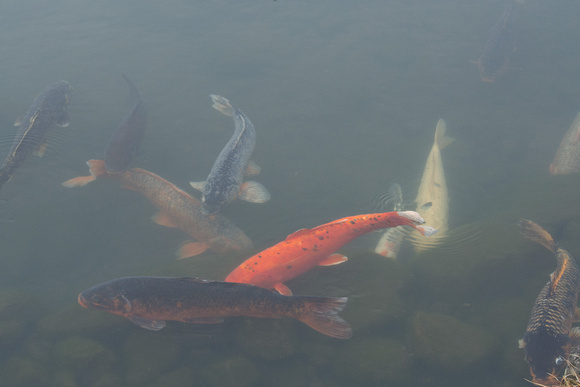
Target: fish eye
559,360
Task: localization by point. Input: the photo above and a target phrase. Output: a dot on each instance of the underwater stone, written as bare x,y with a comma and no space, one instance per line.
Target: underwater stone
444,343
235,371
21,372
178,378
17,311
373,361
267,338
148,354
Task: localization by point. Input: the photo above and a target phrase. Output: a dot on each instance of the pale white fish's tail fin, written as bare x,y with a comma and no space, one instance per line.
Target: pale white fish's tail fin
222,105
440,138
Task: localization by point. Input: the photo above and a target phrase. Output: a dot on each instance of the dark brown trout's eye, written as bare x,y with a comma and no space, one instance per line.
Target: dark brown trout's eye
559,360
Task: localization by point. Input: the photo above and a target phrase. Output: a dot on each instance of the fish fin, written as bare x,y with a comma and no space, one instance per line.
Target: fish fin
254,192
198,185
205,320
577,314
134,94
283,289
440,138
333,259
222,105
297,233
78,181
63,120
161,218
533,231
18,121
252,169
575,336
321,314
191,249
39,150
426,230
521,343
152,325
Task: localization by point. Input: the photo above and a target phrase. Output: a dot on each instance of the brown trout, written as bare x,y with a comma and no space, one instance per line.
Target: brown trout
47,110
176,209
150,301
546,342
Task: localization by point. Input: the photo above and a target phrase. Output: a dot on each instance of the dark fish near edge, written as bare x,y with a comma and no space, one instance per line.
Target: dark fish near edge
47,110
547,342
150,301
495,57
126,140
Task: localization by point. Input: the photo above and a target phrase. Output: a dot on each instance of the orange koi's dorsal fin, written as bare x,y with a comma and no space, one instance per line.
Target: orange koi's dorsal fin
297,233
333,259
162,219
283,289
191,249
96,168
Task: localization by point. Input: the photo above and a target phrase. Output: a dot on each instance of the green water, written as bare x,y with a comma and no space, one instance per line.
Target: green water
345,98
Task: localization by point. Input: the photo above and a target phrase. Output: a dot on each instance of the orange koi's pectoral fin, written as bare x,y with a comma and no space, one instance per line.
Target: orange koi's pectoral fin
283,289
162,219
191,249
205,320
79,181
333,259
152,325
39,150
252,169
254,192
298,233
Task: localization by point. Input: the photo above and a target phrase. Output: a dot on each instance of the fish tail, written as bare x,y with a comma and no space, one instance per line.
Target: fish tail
321,314
440,138
96,167
536,233
222,104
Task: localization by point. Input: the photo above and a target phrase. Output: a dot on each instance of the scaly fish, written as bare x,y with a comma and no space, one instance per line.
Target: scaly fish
176,209
47,110
432,199
126,140
305,249
149,301
567,159
390,243
224,183
546,342
495,58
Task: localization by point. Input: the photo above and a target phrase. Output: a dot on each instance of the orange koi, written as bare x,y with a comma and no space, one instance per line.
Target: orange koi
307,248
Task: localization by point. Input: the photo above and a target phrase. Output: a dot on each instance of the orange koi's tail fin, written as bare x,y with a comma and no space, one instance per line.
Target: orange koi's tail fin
321,314
96,167
536,233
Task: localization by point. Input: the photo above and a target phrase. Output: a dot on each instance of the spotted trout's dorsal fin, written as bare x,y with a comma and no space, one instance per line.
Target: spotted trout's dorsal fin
152,325
298,233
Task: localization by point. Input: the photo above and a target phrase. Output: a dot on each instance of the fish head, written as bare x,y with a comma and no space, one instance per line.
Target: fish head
547,357
104,298
209,208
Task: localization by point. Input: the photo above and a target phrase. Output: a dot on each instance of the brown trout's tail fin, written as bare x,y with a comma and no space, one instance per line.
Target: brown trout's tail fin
96,167
321,314
536,233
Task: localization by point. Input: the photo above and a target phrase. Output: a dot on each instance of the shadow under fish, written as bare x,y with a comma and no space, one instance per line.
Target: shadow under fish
126,140
495,58
48,109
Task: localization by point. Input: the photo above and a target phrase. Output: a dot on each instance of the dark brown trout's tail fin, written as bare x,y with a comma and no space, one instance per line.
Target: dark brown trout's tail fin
321,314
536,233
96,167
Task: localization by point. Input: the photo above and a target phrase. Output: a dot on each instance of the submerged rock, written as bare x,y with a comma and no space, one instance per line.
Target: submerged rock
235,371
22,372
444,343
18,309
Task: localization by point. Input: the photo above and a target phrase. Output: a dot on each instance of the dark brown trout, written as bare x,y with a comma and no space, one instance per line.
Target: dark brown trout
149,301
546,342
47,110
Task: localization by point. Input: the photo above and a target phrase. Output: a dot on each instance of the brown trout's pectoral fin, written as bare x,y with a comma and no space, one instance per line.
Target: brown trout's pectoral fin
191,249
333,259
254,192
39,150
205,320
297,233
152,325
252,169
161,218
197,185
283,289
63,120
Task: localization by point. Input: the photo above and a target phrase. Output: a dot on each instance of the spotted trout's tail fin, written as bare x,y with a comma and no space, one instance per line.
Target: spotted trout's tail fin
321,314
536,233
96,167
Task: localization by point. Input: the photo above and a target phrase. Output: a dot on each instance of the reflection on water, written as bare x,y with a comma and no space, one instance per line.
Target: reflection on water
344,99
